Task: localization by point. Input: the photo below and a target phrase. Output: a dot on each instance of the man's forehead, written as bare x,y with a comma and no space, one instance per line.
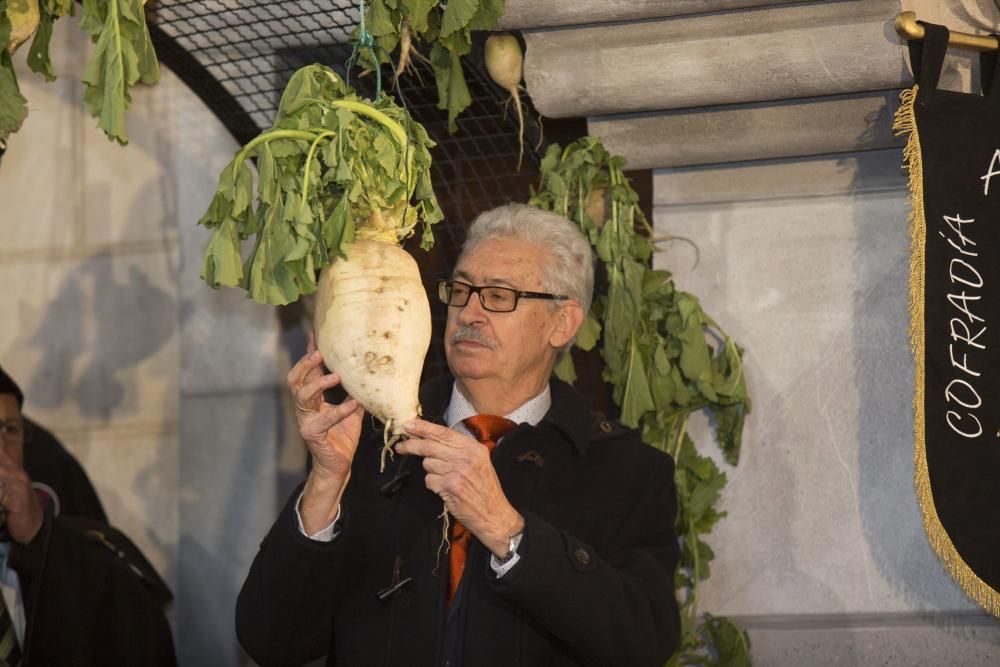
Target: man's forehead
499,261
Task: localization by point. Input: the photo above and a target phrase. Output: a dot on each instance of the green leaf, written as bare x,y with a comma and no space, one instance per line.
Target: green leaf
266,176
590,332
58,8
729,430
416,13
638,399
123,54
457,14
453,92
487,16
38,54
379,19
242,191
222,265
13,106
564,368
731,643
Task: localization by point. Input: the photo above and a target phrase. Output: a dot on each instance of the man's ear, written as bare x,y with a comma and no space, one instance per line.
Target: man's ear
569,319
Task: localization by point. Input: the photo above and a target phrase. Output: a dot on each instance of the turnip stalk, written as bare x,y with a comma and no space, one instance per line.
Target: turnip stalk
341,182
504,61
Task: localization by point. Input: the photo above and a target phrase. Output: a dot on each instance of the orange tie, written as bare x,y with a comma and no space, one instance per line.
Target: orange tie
487,429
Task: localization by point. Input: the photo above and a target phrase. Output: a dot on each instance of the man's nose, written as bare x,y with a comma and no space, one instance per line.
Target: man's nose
472,311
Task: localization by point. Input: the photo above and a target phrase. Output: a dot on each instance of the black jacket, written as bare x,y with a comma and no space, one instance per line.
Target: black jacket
91,598
594,586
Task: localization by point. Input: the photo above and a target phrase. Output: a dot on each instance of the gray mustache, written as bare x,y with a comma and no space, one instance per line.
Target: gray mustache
473,334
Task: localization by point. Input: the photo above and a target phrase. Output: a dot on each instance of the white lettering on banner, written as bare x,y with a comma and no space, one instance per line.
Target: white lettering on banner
964,343
991,171
951,416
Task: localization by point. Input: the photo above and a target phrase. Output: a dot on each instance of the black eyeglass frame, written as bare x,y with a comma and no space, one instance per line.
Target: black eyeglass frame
445,291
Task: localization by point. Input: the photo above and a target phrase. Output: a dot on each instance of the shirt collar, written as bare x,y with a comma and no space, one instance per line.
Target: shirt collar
532,412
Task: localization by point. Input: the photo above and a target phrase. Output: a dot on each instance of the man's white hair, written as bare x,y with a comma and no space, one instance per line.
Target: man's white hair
571,269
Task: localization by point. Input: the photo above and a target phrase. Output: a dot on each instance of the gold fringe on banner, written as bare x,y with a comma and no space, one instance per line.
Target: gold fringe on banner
905,122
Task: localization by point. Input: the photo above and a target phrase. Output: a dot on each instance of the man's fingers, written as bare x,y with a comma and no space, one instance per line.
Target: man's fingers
304,369
428,431
332,415
308,393
425,448
436,466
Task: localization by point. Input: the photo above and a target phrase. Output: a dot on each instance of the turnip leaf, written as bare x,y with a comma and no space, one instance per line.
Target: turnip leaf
457,14
38,54
123,54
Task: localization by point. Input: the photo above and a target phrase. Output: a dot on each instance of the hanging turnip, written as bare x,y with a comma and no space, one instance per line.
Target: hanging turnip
341,182
502,54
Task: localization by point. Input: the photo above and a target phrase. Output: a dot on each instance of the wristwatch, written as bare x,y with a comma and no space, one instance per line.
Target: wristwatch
512,543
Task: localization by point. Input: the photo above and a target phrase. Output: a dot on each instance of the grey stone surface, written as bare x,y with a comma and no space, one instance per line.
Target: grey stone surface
756,131
93,341
537,13
229,341
822,513
765,54
886,640
870,171
228,501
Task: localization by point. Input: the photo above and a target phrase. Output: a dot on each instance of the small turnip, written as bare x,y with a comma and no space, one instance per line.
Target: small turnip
504,62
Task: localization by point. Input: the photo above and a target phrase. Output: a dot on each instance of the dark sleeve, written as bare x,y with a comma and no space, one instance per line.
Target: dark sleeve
284,612
87,604
617,607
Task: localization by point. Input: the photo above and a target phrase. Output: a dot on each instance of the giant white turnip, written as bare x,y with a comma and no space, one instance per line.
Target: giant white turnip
373,324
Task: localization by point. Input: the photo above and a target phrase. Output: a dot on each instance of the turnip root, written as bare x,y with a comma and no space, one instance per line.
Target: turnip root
502,54
374,327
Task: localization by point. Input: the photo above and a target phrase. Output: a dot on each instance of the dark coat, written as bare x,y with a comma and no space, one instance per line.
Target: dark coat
594,586
91,598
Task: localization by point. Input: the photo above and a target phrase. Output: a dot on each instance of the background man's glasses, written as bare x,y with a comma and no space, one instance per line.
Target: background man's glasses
494,299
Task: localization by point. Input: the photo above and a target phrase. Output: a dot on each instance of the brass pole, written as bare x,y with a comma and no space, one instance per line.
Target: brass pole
907,27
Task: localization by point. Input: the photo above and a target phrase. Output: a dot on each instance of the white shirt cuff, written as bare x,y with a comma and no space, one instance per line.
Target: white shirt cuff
324,535
501,569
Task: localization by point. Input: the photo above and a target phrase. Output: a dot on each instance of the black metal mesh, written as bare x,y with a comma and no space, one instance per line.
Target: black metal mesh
237,57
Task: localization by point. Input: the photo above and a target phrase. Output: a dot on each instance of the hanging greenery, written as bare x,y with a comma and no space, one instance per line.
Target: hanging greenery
123,55
399,26
665,359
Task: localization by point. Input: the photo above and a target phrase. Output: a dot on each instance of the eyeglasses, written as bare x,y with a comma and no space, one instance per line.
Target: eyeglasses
12,429
494,299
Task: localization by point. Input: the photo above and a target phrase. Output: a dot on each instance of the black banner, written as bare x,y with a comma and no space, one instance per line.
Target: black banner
953,155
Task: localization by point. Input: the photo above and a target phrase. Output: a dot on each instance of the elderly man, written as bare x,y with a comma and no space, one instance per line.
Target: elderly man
73,590
560,549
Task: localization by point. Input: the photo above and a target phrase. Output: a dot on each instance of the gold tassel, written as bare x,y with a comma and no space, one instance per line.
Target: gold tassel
905,122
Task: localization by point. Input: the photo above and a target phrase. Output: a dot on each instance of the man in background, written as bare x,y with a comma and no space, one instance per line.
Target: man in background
73,590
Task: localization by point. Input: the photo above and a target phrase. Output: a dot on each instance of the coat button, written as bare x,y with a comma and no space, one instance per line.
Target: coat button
606,426
582,556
